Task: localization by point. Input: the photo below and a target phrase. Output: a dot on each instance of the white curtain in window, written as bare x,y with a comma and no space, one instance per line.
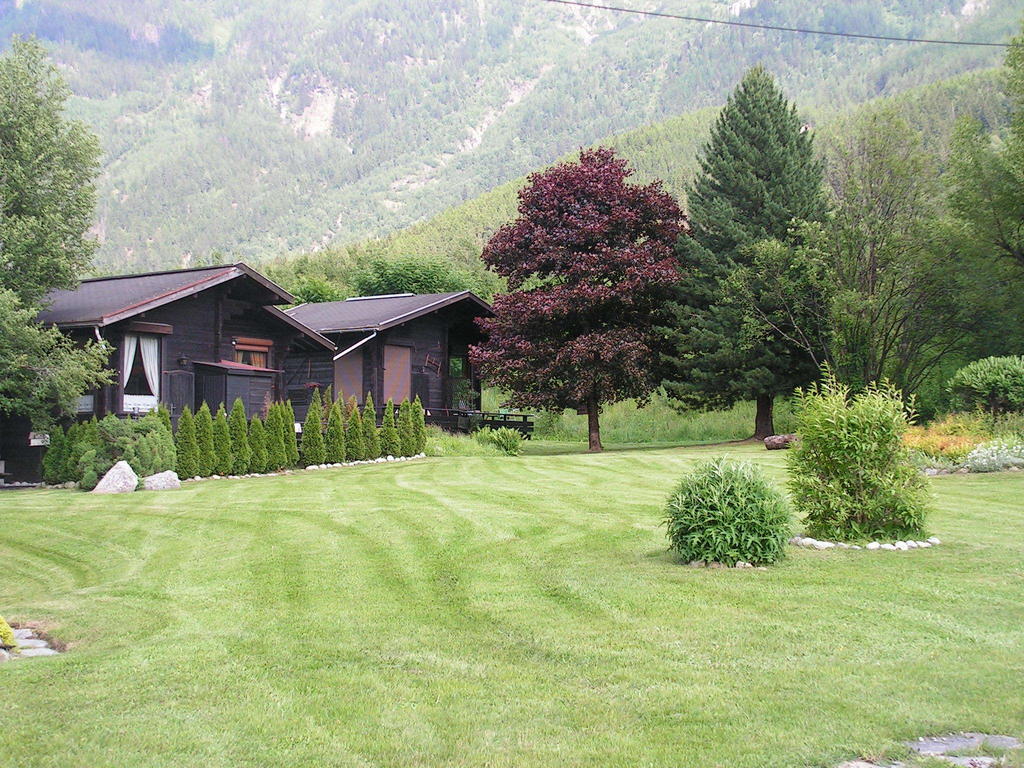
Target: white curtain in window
131,342
150,346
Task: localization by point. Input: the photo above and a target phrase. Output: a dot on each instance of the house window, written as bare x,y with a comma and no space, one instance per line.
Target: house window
254,352
140,371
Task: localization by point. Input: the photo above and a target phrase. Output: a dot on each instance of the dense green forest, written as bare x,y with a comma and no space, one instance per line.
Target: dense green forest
254,130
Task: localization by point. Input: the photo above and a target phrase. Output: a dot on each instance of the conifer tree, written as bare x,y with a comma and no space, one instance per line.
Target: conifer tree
758,174
291,440
276,454
334,438
355,446
224,460
371,435
204,440
390,445
313,449
241,452
327,399
419,425
406,431
55,459
257,446
186,445
165,417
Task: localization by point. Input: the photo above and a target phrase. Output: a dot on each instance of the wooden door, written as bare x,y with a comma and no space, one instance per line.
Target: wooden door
397,373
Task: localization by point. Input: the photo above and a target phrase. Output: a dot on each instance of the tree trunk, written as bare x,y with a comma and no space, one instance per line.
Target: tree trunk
594,425
764,423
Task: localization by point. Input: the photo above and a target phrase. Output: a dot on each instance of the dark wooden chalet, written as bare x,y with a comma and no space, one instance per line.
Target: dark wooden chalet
393,347
210,334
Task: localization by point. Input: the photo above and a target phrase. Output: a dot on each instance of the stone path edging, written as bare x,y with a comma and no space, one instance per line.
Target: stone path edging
897,546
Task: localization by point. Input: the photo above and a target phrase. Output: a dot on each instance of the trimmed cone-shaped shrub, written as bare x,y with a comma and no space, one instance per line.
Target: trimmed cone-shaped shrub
165,416
389,442
725,511
204,440
257,446
277,457
371,435
313,450
222,443
406,431
291,440
186,445
7,638
419,426
850,473
355,446
55,458
334,437
241,452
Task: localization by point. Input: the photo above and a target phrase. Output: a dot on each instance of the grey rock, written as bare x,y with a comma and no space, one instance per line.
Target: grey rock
912,544
162,481
855,546
934,541
120,478
843,545
823,545
697,563
874,545
922,544
33,643
4,656
888,547
902,546
24,634
778,442
29,653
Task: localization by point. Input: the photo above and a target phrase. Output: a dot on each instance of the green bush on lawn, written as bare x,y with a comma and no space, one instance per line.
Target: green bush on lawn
726,511
851,474
7,639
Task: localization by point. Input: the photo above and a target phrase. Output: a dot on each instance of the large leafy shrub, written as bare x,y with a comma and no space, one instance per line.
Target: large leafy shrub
725,511
146,444
996,456
995,384
851,475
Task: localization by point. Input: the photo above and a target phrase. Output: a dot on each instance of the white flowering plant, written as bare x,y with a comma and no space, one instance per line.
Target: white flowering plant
996,455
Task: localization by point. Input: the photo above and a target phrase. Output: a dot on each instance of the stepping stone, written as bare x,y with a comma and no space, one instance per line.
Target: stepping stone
33,643
29,653
23,634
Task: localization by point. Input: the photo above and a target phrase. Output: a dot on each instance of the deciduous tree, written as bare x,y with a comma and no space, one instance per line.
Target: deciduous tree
589,262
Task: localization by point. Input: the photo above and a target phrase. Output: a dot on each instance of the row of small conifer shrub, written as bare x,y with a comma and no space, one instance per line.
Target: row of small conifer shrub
334,432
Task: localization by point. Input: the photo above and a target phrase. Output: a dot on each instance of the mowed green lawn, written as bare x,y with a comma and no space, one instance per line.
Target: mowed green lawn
492,612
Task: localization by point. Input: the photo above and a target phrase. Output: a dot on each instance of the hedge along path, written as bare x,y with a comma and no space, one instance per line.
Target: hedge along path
421,616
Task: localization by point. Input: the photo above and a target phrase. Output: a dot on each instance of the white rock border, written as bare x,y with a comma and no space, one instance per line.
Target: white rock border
896,546
310,468
30,645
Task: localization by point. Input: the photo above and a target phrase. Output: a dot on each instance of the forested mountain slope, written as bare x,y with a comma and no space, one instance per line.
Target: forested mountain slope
260,128
666,150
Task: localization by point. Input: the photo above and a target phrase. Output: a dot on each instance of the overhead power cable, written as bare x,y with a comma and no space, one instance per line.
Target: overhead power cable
777,28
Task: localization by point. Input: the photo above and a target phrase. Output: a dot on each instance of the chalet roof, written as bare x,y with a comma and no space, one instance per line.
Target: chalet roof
377,313
105,300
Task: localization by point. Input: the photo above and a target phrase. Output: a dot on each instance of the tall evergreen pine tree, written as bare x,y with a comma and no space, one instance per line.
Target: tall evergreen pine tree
389,442
204,440
186,445
371,435
758,173
355,447
406,430
334,437
313,451
257,446
224,461
241,452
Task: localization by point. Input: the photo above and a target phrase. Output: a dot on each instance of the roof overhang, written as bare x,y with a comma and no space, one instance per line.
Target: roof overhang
426,309
228,273
314,336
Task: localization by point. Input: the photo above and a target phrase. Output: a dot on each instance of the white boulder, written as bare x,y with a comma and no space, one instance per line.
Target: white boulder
874,545
162,481
120,478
